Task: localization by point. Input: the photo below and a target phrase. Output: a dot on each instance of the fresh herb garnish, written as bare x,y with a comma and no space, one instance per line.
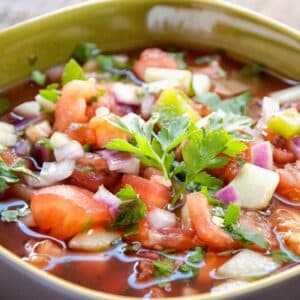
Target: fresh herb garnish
196,256
9,174
234,105
84,51
87,225
232,214
162,269
206,59
246,235
253,69
4,105
38,77
131,210
152,149
44,142
108,62
51,92
12,215
281,257
72,71
179,56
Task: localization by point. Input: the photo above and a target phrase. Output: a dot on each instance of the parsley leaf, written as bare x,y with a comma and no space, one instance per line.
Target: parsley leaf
9,174
50,93
13,214
108,62
72,71
281,257
246,235
4,105
162,269
84,51
234,105
206,59
38,77
232,214
196,256
253,69
131,210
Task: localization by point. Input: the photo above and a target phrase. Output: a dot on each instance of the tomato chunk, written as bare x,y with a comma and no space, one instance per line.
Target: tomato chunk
212,235
152,193
63,210
154,58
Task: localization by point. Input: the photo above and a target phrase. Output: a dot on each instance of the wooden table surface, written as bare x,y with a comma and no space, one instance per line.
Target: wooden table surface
13,11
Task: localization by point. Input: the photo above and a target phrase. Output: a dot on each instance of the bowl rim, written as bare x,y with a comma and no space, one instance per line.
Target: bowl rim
93,294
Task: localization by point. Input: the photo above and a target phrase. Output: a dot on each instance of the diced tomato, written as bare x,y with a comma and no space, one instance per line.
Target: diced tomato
63,210
105,131
149,172
289,183
212,262
83,134
168,238
154,58
283,156
212,235
8,156
152,193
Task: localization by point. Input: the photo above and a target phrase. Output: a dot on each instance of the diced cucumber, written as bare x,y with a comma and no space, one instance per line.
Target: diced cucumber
247,264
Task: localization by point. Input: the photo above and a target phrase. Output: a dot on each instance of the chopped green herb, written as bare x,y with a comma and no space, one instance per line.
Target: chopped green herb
44,142
51,92
88,148
247,236
196,256
162,269
84,51
107,62
232,214
87,170
281,257
87,225
38,77
133,247
12,215
253,69
222,73
179,56
101,92
72,71
9,174
131,210
234,105
4,105
206,59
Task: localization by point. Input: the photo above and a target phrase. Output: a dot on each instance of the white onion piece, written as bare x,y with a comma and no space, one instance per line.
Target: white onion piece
70,150
126,93
146,105
7,139
28,109
58,139
269,108
111,200
247,264
183,76
5,127
45,104
287,95
161,85
201,84
96,239
51,173
55,172
262,156
160,218
102,111
122,162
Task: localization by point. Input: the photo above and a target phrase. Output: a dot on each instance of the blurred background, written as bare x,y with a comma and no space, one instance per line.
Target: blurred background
14,11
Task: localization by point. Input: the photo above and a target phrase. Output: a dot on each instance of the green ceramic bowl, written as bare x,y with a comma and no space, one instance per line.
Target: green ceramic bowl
122,25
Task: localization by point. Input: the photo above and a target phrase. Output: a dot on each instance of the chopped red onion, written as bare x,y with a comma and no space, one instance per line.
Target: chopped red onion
262,156
126,93
105,196
42,154
122,162
22,147
69,150
25,122
28,109
51,173
146,106
227,194
160,218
